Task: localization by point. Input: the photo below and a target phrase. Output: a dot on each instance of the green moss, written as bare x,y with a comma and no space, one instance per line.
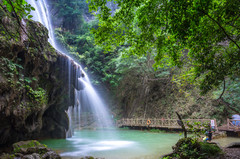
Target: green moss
45,56
7,156
38,95
25,144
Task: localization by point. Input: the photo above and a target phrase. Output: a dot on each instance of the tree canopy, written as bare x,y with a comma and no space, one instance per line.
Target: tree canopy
71,12
201,36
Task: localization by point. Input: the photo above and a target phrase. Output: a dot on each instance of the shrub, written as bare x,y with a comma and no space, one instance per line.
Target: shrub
208,149
191,148
187,148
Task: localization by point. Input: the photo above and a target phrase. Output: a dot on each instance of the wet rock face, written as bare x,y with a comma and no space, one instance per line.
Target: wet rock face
35,89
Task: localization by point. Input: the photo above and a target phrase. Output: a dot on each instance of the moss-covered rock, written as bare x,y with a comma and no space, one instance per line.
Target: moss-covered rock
34,84
31,149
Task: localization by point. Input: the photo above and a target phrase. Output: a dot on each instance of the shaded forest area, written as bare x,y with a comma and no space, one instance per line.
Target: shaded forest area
157,63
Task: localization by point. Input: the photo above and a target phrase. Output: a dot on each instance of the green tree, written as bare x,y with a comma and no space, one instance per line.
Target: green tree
71,12
202,35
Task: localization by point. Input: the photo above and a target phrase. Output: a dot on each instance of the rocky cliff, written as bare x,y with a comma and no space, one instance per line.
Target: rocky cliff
35,90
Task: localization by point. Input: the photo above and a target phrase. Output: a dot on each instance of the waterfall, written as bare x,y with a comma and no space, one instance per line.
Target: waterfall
41,15
87,99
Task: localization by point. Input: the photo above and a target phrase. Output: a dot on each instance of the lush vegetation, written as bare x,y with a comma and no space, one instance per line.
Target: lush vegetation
20,8
199,36
74,35
189,148
191,47
194,43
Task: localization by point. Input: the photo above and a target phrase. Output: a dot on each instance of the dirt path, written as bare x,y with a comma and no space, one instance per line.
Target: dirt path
232,153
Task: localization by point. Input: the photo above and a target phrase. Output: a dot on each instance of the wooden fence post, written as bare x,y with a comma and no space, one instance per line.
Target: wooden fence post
216,124
228,123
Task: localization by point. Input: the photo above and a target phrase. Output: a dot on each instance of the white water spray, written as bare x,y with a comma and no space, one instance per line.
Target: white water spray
87,98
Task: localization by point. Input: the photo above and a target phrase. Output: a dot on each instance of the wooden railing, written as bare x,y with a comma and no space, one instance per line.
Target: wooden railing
233,124
159,123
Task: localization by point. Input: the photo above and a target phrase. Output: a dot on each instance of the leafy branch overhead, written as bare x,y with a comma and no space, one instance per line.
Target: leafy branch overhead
202,35
20,7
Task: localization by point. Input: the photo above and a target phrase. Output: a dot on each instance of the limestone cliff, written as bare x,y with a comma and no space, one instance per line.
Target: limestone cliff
35,90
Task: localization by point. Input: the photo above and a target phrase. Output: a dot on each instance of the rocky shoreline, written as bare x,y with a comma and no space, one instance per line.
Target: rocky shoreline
30,149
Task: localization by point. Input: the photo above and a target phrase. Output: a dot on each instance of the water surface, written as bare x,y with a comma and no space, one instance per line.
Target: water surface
110,144
225,141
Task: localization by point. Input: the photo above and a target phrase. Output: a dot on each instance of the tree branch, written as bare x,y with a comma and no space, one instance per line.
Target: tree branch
19,22
222,101
224,87
224,31
10,2
180,122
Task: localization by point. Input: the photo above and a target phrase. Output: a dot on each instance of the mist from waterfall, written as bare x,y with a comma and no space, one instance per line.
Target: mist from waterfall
88,109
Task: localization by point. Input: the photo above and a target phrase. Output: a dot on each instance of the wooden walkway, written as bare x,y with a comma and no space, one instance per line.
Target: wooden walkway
232,125
159,123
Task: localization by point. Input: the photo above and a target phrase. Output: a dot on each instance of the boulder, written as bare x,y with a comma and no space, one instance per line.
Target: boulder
32,149
51,155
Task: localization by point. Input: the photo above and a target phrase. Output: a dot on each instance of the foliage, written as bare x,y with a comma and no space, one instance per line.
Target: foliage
82,48
10,69
105,68
13,72
189,148
71,12
20,7
38,95
210,149
232,92
197,128
157,131
128,66
202,35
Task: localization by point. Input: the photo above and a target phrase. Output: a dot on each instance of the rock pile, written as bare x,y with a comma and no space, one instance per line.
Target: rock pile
31,149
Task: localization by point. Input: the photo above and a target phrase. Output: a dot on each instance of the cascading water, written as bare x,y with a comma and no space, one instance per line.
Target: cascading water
93,108
41,15
101,117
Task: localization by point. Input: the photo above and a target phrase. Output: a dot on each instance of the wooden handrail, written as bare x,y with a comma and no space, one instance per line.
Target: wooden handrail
233,124
160,123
